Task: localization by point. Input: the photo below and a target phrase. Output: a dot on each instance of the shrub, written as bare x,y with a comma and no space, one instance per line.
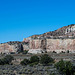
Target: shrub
25,52
67,51
60,65
25,62
62,52
65,67
9,58
1,62
6,60
54,52
45,59
32,64
34,59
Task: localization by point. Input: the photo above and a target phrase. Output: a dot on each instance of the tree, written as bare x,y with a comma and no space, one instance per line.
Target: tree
1,62
67,51
6,60
60,65
45,59
25,52
65,67
34,59
25,62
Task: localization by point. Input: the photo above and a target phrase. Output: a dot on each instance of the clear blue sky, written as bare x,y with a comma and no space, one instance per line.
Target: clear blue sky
22,18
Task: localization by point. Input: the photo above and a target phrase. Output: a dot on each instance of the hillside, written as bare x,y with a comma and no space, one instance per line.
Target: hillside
62,39
65,31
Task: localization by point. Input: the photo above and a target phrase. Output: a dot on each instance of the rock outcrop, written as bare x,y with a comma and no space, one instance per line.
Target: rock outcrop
59,40
35,51
64,32
14,46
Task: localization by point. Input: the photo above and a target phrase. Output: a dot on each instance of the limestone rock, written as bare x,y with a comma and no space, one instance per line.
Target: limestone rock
35,51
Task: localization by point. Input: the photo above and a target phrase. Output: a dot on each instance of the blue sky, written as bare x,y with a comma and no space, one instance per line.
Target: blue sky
22,18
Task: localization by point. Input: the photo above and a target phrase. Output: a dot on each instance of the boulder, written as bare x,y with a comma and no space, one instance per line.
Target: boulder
35,51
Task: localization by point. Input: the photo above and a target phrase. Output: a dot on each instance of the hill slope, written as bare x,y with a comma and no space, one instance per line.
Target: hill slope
65,31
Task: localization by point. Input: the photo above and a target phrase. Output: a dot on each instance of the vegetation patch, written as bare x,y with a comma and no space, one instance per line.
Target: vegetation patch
65,67
46,59
6,60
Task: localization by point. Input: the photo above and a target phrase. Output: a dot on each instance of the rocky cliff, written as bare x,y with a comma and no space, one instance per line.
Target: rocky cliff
59,40
64,32
13,46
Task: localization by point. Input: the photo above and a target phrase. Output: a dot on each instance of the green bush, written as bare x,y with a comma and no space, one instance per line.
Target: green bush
54,52
6,60
45,59
34,59
68,51
25,52
32,64
65,67
1,62
25,62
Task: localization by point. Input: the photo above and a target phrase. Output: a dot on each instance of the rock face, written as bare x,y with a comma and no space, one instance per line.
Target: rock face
13,47
35,51
57,45
64,32
59,40
5,48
